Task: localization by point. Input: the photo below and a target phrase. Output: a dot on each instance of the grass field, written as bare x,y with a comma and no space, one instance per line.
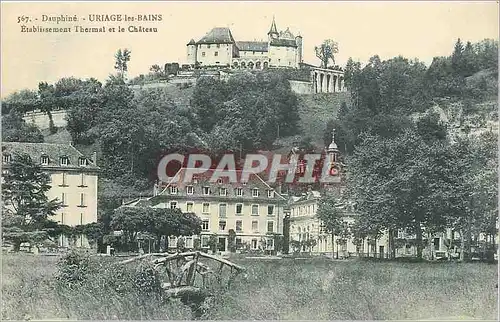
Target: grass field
311,289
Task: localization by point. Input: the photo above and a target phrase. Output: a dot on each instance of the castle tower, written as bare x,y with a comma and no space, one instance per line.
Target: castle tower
273,31
332,156
298,41
192,52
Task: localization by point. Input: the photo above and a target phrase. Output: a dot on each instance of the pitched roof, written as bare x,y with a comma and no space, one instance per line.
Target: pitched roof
53,151
191,42
218,36
273,29
252,45
283,42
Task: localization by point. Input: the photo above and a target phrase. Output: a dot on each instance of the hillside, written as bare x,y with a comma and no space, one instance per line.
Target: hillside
315,110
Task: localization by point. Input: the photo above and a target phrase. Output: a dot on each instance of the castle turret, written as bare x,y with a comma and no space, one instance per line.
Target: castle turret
191,52
298,41
273,31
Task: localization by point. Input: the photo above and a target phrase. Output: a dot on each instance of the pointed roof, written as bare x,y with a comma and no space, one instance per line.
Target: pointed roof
191,42
333,146
273,29
218,36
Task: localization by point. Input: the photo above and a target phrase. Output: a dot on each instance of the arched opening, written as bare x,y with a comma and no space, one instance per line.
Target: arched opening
321,76
328,83
243,65
334,83
236,64
341,79
266,65
250,65
258,65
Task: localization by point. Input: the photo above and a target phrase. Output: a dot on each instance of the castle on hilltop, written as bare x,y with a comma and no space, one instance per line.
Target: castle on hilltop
219,49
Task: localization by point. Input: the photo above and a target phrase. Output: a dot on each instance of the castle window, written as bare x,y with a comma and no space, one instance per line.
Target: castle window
7,158
216,54
223,192
173,204
218,46
239,225
189,207
222,210
44,160
208,46
206,191
239,209
202,54
206,208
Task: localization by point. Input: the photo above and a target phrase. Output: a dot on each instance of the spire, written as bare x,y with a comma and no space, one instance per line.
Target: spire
333,145
273,29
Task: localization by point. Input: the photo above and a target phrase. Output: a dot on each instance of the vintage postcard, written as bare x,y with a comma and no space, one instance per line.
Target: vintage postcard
249,160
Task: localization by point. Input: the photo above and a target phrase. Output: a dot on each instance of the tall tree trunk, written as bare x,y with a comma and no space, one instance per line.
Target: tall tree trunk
462,245
392,249
333,246
419,241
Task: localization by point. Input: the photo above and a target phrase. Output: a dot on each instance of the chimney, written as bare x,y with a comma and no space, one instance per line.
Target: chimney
94,157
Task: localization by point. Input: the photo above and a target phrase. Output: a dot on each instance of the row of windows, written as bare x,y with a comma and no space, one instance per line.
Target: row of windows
303,210
64,219
223,208
205,242
238,226
83,200
45,160
222,191
64,180
203,54
253,52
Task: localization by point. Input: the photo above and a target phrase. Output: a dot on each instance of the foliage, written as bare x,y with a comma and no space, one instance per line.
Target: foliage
231,240
121,62
26,208
15,129
245,113
157,221
326,51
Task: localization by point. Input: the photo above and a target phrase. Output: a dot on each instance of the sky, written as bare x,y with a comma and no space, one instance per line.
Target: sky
420,30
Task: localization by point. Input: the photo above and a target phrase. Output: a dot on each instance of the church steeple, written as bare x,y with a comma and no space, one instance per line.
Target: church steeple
273,31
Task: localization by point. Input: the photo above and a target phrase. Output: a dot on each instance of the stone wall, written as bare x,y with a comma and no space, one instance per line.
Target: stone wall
41,119
301,87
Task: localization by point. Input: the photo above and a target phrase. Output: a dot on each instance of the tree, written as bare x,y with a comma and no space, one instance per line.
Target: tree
231,240
15,129
326,51
26,208
121,62
155,69
331,215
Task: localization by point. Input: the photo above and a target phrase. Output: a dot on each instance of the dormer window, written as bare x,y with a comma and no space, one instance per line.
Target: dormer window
82,162
7,158
223,192
206,191
173,190
270,193
239,192
189,190
255,192
44,160
64,161
219,181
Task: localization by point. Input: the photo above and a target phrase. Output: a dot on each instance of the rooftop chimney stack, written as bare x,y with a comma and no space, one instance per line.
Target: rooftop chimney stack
94,157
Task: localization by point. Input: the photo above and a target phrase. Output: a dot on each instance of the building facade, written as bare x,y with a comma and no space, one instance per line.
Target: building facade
218,48
252,209
73,180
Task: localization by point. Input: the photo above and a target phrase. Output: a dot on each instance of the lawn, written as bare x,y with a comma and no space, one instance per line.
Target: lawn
313,289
